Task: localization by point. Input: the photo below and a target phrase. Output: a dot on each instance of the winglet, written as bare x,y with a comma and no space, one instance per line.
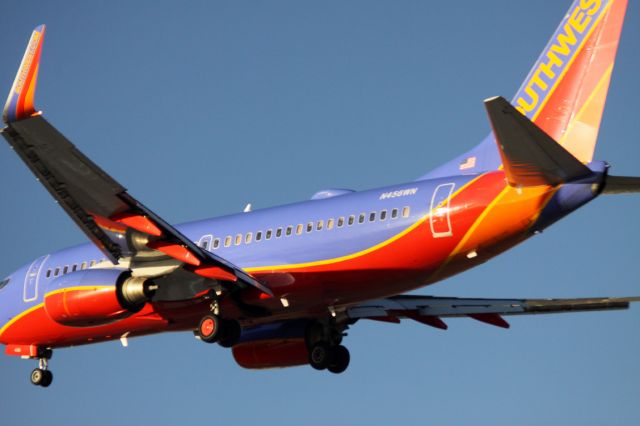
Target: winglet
20,101
529,155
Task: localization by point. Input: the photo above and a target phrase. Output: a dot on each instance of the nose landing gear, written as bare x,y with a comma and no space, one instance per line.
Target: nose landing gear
42,376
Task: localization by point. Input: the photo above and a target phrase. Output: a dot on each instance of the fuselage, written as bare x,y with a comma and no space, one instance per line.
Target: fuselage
328,252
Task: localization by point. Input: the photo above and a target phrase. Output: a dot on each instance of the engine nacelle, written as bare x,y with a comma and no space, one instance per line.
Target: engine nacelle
95,297
271,353
274,345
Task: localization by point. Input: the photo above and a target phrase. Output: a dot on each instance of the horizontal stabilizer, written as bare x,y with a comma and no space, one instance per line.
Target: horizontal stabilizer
530,156
621,185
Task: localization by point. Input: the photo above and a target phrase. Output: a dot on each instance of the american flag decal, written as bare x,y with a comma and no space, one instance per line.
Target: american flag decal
468,163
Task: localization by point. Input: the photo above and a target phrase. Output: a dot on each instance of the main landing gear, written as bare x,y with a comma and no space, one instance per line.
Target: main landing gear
325,350
42,376
212,329
333,358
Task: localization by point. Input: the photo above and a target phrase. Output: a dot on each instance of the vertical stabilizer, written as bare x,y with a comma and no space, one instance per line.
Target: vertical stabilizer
565,91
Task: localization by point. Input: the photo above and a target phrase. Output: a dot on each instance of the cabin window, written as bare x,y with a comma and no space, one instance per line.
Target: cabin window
204,244
4,282
238,240
352,220
383,215
340,221
227,241
405,211
216,243
56,272
48,273
289,230
248,238
394,213
372,216
330,224
84,265
309,226
361,218
92,264
65,271
74,268
268,234
258,235
299,229
278,232
320,225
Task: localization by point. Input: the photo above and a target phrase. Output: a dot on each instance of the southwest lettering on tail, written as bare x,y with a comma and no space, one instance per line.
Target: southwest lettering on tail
558,54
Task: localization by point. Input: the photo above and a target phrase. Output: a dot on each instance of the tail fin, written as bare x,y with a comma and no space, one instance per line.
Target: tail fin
565,91
20,101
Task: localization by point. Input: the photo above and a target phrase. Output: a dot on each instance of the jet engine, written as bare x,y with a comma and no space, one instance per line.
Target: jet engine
96,297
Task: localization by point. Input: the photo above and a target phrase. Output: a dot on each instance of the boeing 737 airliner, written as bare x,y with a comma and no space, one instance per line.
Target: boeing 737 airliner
280,286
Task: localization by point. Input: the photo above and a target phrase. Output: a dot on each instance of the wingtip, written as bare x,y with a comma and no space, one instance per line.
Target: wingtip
19,103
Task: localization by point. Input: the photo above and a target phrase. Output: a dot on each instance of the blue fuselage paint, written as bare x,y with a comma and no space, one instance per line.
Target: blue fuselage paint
308,246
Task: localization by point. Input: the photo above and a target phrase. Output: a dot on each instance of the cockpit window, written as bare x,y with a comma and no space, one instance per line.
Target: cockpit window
4,282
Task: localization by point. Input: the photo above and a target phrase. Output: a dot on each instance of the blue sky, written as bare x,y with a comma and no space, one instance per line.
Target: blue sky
203,108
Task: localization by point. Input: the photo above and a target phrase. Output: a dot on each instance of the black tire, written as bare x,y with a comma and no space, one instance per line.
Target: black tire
230,331
48,378
209,328
37,376
319,355
340,358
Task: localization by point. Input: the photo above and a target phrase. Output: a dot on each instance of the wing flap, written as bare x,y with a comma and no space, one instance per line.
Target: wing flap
80,187
489,311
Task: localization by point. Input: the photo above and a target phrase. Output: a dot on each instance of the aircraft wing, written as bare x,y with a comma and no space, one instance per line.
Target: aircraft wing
429,309
121,226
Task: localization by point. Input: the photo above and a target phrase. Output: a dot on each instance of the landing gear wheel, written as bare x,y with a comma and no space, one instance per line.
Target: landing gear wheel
319,355
229,334
40,377
209,327
37,376
339,359
48,378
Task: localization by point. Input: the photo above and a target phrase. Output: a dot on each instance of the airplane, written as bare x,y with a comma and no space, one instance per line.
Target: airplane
281,286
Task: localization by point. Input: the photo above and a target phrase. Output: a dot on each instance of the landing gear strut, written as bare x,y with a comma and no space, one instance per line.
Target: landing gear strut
325,350
42,376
